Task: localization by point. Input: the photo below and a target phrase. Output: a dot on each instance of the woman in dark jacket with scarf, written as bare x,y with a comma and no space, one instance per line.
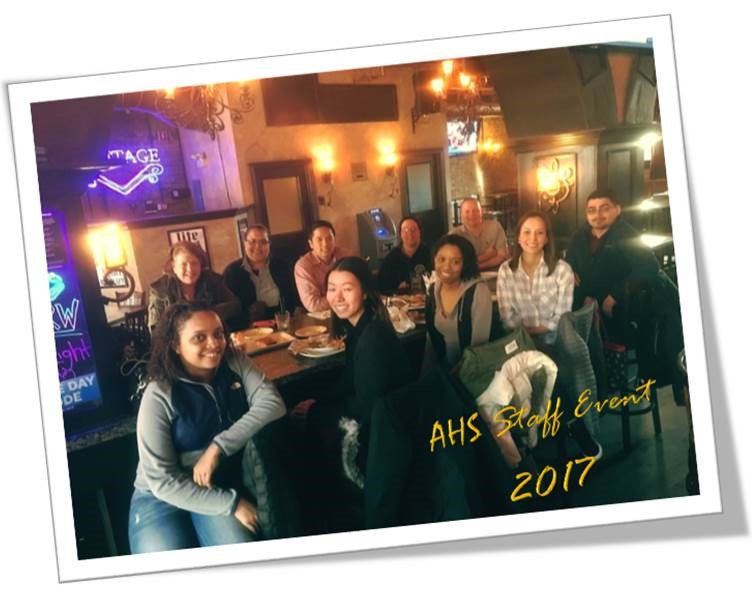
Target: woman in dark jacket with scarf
187,277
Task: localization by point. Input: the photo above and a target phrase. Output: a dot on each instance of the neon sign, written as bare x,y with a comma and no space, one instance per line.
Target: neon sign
76,365
57,285
151,170
65,318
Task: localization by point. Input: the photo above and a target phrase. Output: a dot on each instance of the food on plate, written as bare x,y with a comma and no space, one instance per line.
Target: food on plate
251,334
273,339
309,331
320,345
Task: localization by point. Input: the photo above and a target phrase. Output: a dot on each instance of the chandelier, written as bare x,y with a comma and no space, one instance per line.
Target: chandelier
202,107
463,94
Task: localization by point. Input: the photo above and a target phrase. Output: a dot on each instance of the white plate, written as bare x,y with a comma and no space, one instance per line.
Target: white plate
318,353
324,315
250,334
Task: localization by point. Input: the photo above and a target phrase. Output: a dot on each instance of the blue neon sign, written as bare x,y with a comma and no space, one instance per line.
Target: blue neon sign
75,355
149,165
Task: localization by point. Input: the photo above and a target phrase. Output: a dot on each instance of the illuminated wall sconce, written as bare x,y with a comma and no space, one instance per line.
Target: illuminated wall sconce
325,164
646,142
654,240
490,147
648,204
106,244
556,177
389,158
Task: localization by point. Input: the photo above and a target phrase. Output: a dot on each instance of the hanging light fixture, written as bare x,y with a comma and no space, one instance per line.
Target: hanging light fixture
202,107
459,92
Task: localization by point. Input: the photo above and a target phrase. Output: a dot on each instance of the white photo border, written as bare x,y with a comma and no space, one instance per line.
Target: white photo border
657,28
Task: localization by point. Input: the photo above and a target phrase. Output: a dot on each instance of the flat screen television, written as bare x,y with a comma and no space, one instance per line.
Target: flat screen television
462,137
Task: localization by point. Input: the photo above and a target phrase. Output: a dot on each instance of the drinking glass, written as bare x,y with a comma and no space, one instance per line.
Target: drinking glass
282,319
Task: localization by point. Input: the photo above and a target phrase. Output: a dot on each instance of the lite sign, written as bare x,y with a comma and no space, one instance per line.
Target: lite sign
146,162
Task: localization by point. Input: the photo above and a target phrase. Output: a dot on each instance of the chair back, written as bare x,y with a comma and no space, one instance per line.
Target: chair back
136,323
135,300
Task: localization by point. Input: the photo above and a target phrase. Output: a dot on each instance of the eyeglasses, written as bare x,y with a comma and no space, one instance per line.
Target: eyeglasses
253,242
605,208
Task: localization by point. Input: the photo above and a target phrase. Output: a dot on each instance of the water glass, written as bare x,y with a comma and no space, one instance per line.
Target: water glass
282,319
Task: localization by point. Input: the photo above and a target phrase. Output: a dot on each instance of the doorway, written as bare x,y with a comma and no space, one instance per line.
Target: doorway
424,192
285,205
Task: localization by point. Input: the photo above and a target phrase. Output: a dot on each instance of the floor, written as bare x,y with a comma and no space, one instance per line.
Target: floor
655,467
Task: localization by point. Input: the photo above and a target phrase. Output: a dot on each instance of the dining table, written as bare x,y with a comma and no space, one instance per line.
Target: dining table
283,367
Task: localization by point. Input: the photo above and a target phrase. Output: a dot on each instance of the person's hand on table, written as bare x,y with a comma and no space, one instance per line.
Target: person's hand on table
206,465
247,515
300,411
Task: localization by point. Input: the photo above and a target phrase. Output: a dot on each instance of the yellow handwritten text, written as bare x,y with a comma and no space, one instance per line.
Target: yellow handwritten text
512,417
584,404
438,434
542,489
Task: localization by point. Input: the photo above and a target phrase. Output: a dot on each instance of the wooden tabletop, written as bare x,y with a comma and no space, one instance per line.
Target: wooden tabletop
282,367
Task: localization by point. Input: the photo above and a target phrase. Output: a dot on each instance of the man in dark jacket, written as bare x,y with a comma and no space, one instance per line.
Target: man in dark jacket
614,267
264,284
405,265
607,257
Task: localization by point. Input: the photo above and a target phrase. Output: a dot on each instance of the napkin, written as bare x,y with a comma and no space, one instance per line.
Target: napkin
400,320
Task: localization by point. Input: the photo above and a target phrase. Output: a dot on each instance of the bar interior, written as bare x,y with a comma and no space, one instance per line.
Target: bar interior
253,164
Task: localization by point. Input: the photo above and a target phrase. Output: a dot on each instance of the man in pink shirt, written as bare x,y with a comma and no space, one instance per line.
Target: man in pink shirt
311,268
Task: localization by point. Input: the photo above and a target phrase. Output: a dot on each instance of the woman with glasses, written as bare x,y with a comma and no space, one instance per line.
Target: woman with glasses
403,268
264,284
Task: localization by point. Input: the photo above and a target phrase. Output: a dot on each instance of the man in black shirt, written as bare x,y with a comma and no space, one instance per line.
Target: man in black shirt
614,267
407,261
263,283
608,258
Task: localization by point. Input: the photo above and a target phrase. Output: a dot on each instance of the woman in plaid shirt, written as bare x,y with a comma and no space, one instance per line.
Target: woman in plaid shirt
534,288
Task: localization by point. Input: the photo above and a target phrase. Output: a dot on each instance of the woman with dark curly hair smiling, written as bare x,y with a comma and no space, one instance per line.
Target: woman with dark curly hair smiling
203,404
459,310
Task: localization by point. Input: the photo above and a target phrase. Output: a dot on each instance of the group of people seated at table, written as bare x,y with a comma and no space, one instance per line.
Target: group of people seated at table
205,401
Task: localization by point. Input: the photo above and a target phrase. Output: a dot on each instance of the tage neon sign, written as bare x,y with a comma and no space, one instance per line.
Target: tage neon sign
151,170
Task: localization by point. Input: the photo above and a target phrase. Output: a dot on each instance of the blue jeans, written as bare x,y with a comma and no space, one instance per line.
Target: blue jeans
154,525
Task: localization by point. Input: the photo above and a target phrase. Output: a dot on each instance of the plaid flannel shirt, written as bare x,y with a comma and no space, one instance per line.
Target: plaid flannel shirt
539,300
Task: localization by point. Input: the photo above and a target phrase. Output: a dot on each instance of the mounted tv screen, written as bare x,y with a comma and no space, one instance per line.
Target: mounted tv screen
462,136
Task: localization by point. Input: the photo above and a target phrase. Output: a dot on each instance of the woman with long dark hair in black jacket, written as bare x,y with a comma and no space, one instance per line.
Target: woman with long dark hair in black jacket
375,364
